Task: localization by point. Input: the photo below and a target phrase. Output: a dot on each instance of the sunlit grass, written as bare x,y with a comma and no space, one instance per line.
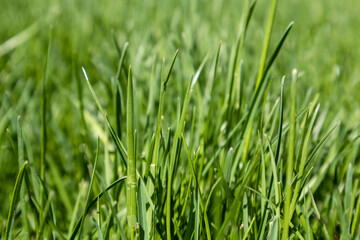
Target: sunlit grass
223,141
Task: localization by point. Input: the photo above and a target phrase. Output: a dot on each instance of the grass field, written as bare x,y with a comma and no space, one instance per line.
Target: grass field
179,119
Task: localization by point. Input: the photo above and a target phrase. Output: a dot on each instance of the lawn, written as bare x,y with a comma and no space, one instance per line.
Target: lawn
179,119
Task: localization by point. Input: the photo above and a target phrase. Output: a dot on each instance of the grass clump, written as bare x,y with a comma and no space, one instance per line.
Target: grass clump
221,142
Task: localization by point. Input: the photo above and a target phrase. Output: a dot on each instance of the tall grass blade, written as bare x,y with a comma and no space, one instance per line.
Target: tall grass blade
14,201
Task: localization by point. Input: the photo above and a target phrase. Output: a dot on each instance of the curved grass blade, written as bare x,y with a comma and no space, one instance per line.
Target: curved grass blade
44,214
14,202
90,204
91,184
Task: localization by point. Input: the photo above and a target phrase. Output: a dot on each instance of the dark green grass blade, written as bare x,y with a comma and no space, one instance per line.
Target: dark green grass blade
21,160
44,215
43,120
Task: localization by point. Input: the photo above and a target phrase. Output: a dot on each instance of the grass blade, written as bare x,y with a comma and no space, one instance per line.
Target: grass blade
118,143
291,154
131,170
14,201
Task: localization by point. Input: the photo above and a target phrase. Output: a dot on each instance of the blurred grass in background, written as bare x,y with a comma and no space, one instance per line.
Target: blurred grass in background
323,46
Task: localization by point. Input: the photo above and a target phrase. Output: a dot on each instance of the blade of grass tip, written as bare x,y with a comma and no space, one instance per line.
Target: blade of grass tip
44,214
263,72
174,149
14,201
121,61
313,203
291,154
160,110
117,46
131,170
90,186
77,227
24,212
266,42
278,48
12,143
43,120
79,95
119,145
117,89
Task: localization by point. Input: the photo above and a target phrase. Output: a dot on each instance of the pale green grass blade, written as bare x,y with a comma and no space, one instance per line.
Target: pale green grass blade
291,154
20,38
274,230
131,187
116,139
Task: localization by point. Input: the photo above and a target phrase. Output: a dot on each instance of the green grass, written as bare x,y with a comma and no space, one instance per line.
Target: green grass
179,120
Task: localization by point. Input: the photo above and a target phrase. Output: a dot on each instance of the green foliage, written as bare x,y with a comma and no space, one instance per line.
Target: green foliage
225,141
